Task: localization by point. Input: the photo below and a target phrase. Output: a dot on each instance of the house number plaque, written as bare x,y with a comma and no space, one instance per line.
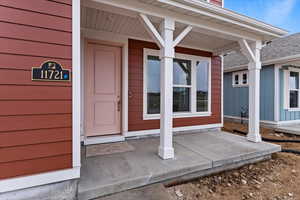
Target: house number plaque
50,71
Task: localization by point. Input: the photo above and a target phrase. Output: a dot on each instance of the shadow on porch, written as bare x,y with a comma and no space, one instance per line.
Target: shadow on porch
196,155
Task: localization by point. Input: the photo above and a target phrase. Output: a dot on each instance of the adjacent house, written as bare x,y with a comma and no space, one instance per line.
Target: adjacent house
74,73
279,88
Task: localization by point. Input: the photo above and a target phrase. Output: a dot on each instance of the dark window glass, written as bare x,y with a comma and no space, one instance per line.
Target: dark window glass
153,85
245,77
182,72
236,79
294,80
294,99
181,99
202,86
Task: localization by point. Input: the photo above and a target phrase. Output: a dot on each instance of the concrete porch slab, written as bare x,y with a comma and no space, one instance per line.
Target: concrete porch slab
293,129
197,152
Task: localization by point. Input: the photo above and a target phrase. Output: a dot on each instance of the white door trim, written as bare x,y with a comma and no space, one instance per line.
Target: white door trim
88,34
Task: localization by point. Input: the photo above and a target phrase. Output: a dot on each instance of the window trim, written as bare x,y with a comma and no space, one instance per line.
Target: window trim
287,89
240,75
193,112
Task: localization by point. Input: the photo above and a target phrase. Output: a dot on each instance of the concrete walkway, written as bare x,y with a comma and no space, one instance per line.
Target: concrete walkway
293,129
197,154
152,192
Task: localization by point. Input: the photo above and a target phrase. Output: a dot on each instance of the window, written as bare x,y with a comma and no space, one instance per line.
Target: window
191,85
294,89
240,79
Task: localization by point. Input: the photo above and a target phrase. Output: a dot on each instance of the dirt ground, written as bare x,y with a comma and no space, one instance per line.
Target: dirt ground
275,179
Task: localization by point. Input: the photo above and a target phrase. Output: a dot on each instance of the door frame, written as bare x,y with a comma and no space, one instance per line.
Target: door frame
123,44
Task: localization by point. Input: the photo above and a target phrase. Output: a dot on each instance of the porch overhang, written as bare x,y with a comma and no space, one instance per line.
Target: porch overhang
196,24
205,18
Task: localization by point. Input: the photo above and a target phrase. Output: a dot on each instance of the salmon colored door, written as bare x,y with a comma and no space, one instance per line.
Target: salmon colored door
103,93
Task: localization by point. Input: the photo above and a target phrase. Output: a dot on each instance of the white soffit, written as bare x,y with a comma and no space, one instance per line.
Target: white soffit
129,25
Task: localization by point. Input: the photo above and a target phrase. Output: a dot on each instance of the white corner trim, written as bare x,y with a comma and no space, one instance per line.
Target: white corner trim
13,184
222,88
276,93
76,83
104,139
182,128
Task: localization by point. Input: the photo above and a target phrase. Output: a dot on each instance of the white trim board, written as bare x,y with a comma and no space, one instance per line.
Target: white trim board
76,84
13,184
177,129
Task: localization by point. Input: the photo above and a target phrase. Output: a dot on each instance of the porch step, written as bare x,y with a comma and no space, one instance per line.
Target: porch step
152,192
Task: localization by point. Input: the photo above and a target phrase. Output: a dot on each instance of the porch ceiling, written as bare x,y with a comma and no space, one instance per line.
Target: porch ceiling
128,24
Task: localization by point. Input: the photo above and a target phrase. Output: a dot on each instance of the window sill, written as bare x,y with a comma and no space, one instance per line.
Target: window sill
239,86
178,115
292,109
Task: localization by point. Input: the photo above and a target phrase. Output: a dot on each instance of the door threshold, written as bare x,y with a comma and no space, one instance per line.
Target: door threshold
103,139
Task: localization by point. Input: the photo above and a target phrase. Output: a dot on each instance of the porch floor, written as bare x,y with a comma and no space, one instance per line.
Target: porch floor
290,129
197,154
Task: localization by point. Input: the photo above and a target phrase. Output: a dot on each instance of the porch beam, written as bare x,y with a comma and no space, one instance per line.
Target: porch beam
252,52
166,150
182,35
152,30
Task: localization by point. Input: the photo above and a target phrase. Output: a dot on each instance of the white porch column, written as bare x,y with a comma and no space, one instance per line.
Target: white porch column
166,150
252,52
167,45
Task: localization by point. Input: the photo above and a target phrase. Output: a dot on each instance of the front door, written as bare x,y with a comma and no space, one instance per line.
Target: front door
103,93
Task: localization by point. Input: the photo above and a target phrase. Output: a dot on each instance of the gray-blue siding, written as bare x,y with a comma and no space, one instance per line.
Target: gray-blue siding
285,115
236,98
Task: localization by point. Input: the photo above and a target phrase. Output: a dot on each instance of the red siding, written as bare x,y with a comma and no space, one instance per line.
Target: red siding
135,120
217,2
35,117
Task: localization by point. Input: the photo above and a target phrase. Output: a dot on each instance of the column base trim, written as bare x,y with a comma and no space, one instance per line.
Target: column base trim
254,138
166,153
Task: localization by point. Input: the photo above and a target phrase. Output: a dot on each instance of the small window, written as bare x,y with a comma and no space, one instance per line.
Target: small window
236,79
245,78
294,89
240,79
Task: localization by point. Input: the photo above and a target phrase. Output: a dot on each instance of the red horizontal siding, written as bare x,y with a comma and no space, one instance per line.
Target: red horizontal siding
11,46
21,32
28,152
34,107
45,7
34,166
35,116
16,92
135,104
28,122
17,16
10,61
38,136
217,2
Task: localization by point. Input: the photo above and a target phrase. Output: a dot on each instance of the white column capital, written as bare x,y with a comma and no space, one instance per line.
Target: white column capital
168,23
254,65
